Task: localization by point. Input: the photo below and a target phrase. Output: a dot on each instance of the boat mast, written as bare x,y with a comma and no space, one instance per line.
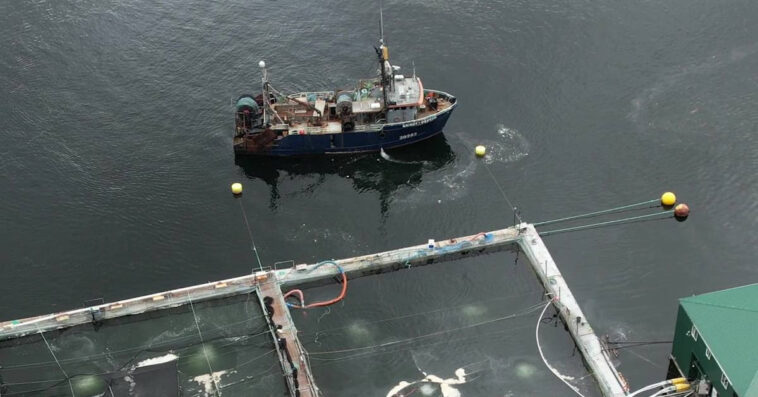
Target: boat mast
264,91
381,24
384,56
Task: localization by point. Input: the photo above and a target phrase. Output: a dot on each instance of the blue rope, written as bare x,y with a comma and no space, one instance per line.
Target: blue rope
328,262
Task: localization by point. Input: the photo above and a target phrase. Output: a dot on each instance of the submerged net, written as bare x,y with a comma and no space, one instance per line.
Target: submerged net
462,328
213,347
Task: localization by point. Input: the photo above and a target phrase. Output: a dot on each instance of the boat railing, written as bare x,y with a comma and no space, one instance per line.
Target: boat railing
306,94
368,127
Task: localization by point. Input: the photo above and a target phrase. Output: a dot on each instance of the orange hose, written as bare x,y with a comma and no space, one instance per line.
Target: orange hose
335,300
318,304
298,292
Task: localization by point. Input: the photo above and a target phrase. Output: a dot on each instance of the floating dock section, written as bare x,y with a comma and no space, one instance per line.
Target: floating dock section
595,356
292,357
267,284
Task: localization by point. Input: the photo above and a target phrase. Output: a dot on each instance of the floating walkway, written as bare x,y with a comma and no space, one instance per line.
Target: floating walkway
267,284
292,357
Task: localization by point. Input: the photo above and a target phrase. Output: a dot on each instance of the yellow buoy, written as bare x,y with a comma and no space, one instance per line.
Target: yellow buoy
668,199
236,188
480,151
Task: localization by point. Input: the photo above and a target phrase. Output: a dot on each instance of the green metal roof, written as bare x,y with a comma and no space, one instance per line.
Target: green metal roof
728,323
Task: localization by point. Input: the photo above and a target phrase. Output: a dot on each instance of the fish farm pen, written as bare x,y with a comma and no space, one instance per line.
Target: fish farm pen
239,337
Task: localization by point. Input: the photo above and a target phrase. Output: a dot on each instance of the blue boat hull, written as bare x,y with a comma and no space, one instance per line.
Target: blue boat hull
390,136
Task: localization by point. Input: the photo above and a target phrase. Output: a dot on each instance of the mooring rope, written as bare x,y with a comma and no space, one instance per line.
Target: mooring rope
252,241
591,214
520,313
609,223
623,344
513,208
150,347
58,362
202,344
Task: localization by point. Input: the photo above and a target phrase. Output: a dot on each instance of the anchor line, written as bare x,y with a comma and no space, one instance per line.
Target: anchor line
516,214
252,241
591,214
660,215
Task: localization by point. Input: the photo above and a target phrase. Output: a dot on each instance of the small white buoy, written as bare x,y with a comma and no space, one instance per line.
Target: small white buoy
480,151
261,64
236,188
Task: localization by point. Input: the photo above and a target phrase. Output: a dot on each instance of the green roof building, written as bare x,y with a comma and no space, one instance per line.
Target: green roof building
716,342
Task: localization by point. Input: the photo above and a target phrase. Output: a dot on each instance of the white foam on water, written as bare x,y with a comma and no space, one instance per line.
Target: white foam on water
509,147
306,233
447,386
450,185
79,343
456,180
426,389
131,382
157,360
397,388
391,159
207,381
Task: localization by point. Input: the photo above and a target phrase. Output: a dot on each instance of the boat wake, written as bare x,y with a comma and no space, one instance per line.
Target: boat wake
452,183
509,146
391,159
646,106
448,184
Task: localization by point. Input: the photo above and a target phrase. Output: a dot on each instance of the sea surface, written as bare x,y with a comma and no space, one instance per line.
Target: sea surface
116,160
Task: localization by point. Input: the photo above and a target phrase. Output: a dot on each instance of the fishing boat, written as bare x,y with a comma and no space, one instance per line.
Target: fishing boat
379,113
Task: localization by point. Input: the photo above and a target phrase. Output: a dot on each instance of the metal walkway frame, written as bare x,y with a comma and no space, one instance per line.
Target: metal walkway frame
293,358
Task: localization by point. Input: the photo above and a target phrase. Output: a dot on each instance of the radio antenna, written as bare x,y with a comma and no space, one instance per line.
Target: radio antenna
381,24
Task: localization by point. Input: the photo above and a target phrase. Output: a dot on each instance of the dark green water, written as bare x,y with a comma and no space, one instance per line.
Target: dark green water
116,160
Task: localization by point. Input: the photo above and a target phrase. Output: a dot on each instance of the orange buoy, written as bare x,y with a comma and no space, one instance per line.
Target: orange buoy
681,212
